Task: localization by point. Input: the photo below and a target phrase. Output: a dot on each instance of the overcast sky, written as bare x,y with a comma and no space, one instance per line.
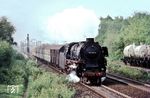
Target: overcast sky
57,21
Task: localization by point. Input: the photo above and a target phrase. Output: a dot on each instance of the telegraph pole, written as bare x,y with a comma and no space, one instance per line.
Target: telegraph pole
28,47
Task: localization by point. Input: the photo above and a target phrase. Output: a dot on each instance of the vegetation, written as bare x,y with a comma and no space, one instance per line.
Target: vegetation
5,54
118,32
12,74
125,71
4,93
24,73
6,30
49,85
40,84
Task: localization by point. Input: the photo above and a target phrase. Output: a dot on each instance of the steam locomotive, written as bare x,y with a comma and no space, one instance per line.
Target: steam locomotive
86,58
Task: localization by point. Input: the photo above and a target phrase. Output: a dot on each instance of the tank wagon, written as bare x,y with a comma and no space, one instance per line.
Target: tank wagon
137,55
86,58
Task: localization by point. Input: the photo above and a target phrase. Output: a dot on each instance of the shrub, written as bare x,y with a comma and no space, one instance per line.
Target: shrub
49,85
5,54
4,76
11,65
128,72
17,70
17,56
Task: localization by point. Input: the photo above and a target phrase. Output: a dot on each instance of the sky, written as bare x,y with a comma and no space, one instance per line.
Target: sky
60,21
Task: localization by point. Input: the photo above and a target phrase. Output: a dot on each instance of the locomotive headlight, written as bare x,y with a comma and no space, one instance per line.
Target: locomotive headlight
102,69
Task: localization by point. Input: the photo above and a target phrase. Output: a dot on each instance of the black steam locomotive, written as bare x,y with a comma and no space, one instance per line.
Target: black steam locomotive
87,57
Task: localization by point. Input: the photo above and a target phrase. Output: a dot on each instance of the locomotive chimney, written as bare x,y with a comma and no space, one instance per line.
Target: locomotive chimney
90,40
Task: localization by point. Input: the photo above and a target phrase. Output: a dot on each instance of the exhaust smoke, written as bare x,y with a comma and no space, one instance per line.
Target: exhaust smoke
72,77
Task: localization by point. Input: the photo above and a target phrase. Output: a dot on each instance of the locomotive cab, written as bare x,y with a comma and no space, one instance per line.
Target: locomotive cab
105,51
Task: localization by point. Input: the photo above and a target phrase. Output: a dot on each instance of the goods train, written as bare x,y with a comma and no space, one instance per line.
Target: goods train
137,55
86,58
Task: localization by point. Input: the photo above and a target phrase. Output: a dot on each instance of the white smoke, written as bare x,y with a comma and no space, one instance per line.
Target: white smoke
73,25
103,79
72,77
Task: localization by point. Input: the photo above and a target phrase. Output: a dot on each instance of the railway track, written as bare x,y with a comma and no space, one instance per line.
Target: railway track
113,87
87,91
82,90
129,88
130,81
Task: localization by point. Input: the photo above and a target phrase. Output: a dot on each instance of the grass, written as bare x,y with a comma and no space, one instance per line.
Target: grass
133,73
41,84
49,85
37,82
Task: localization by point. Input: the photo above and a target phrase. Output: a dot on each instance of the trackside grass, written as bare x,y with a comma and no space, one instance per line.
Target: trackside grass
128,72
49,85
22,76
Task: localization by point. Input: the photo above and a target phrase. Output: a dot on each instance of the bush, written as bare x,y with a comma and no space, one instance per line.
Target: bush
128,72
5,76
46,84
15,69
11,65
18,71
49,85
5,54
17,56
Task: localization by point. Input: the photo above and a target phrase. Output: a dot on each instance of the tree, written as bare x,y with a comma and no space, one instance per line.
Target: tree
138,30
5,54
6,30
118,32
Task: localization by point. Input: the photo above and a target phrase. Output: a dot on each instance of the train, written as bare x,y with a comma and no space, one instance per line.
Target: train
137,55
86,58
